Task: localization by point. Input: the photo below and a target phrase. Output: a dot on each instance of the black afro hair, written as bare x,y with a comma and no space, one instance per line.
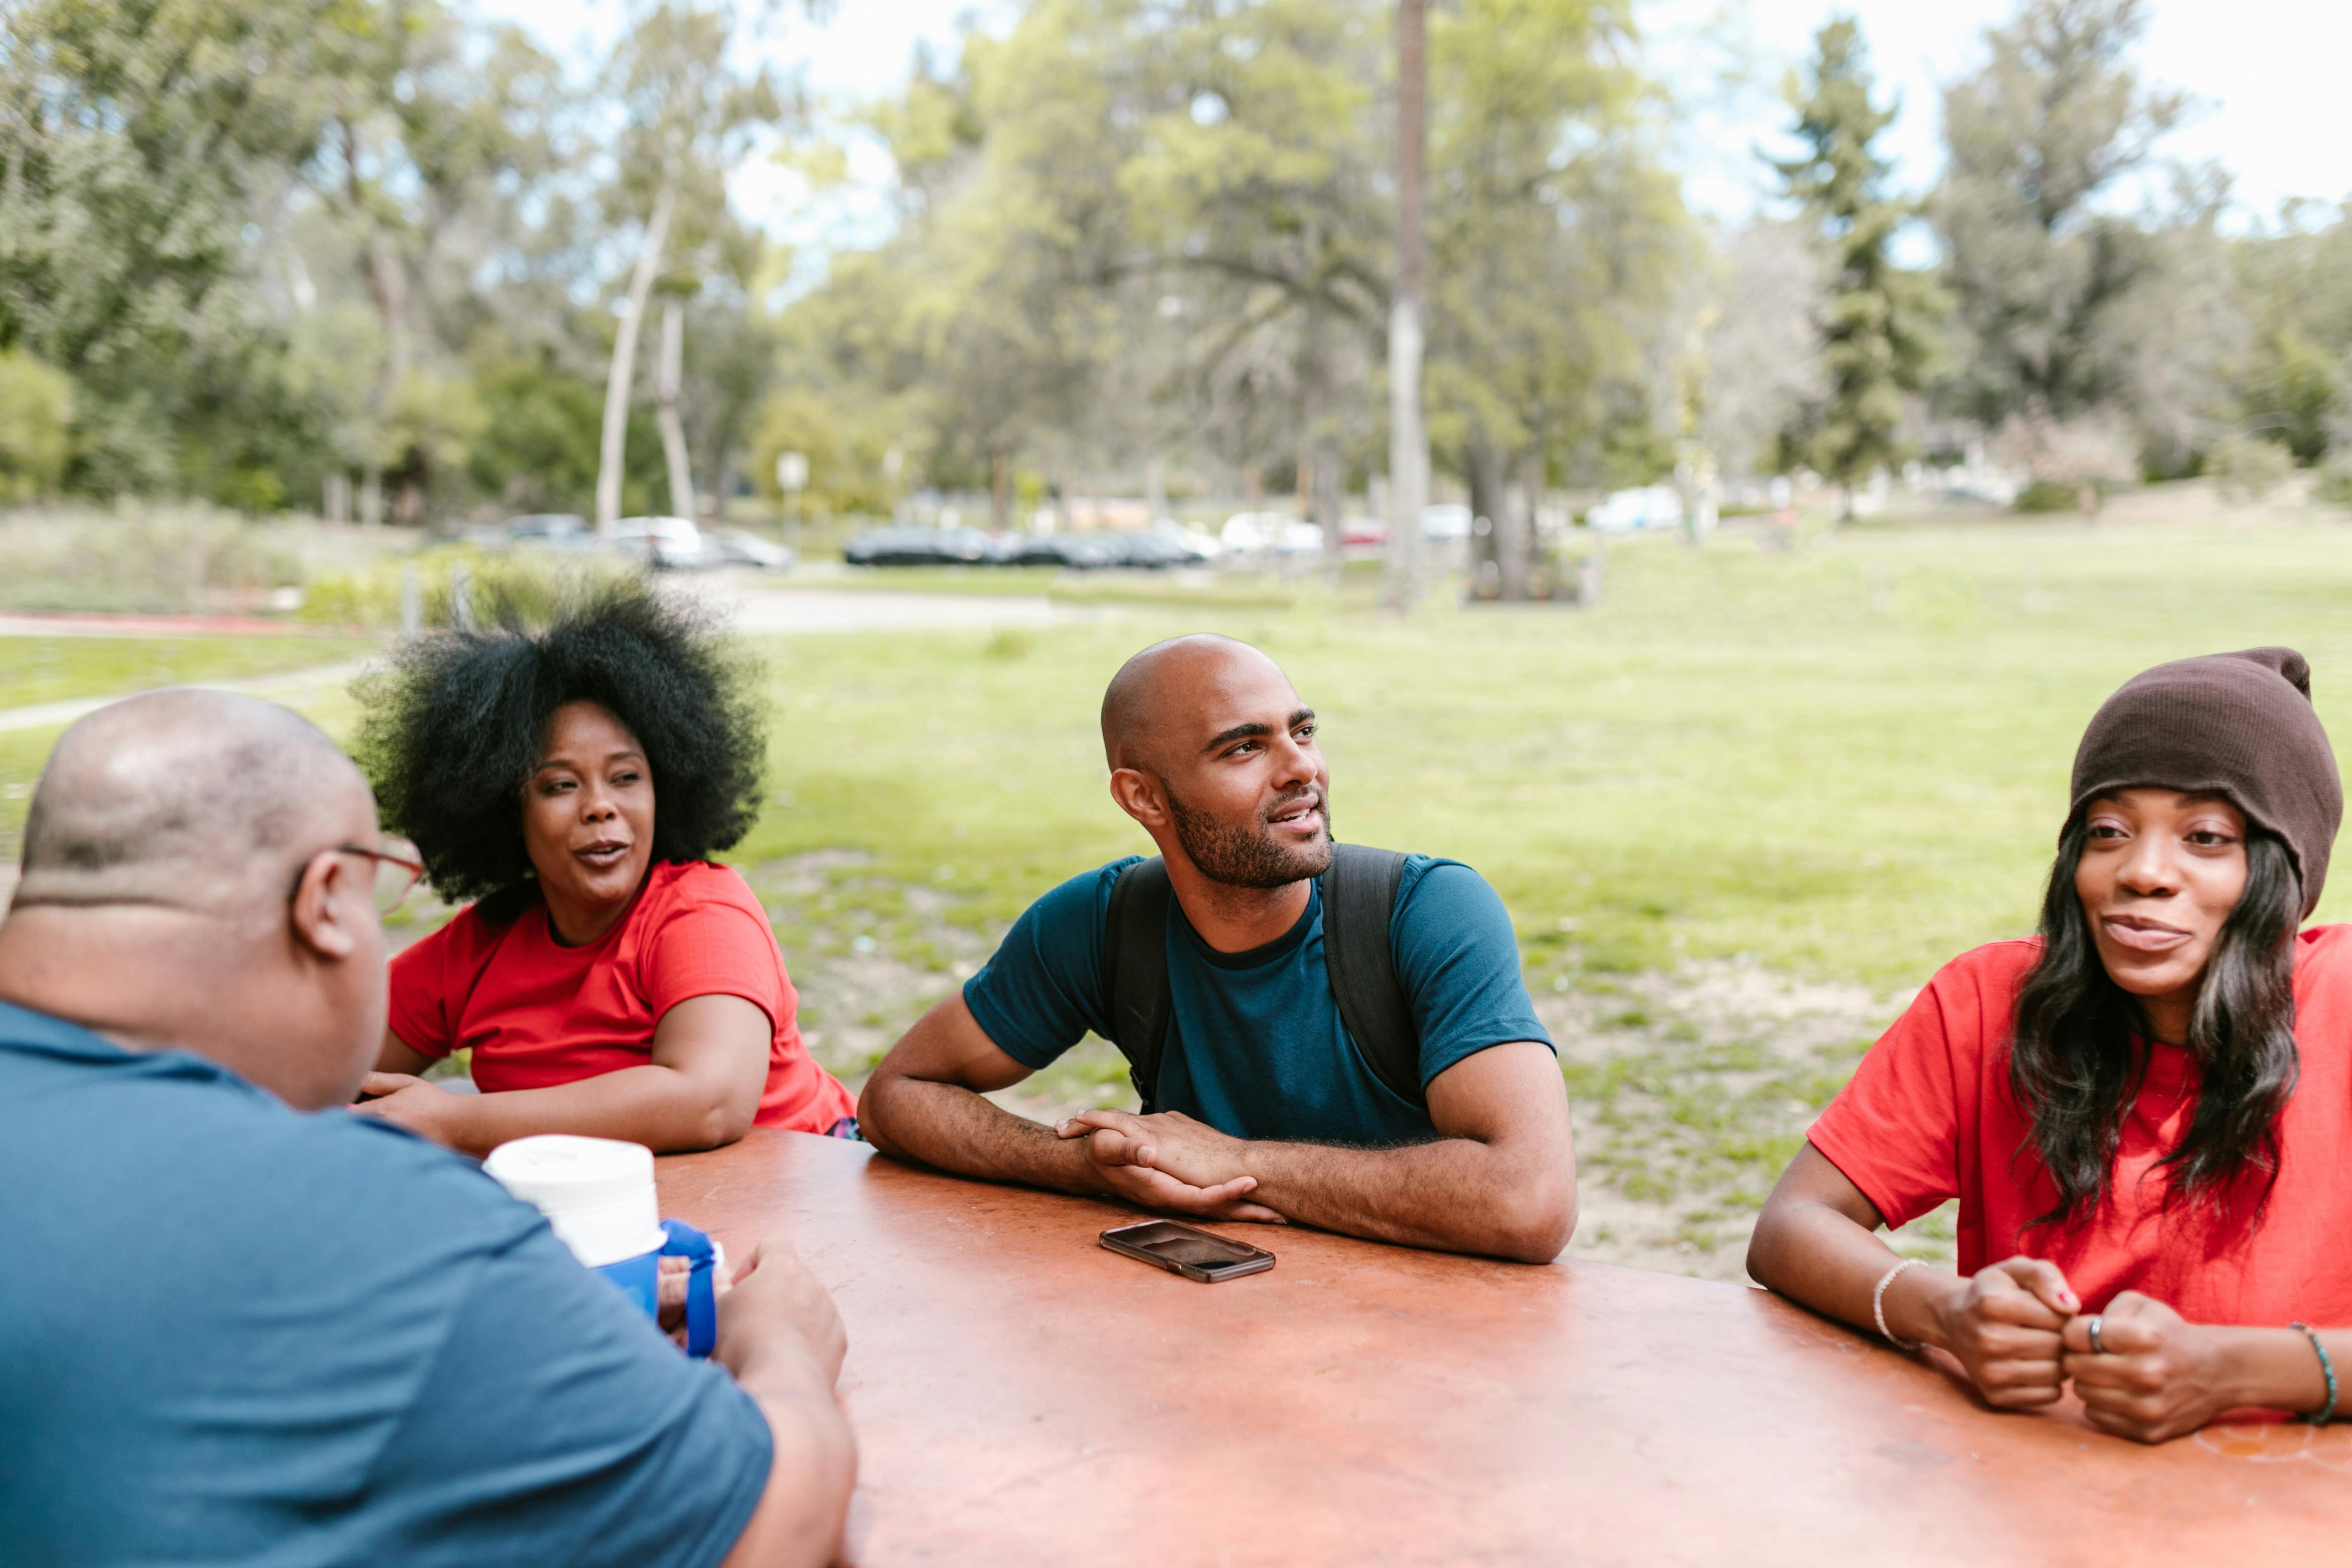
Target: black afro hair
452,731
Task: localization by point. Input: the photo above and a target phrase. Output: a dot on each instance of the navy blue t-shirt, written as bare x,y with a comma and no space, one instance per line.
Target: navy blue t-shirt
1255,1047
230,1332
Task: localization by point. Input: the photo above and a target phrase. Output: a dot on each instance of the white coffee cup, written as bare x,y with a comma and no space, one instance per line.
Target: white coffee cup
597,1193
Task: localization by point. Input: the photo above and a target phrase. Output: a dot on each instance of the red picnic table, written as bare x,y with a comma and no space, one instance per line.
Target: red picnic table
1023,1396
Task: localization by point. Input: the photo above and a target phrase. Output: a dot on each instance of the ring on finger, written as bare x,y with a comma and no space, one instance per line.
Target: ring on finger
2098,1320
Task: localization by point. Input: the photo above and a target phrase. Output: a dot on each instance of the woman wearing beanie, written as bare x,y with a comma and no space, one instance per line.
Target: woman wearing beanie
2146,1112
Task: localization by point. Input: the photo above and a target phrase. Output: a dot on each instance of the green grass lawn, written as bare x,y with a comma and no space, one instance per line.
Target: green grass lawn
1848,761
36,670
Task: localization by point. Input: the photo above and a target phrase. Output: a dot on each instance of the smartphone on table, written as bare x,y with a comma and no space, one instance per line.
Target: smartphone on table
1182,1249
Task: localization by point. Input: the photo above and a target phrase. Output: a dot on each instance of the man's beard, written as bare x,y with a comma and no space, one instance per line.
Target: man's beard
1240,856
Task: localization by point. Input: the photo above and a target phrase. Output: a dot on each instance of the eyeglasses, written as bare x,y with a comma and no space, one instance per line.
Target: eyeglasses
399,865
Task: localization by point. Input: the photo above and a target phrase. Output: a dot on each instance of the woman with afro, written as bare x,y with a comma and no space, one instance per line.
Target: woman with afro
609,979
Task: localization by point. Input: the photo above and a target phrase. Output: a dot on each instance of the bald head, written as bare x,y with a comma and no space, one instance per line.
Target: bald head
1152,687
186,798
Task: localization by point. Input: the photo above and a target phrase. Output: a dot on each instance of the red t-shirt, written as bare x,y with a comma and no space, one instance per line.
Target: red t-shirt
537,1013
1929,1116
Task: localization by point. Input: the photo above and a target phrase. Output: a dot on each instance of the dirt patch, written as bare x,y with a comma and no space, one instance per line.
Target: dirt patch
1691,1090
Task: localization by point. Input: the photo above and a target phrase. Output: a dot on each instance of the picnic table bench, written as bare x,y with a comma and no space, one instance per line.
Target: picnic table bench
1022,1394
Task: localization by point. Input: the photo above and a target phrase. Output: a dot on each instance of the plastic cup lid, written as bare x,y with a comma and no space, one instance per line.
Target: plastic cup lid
596,1192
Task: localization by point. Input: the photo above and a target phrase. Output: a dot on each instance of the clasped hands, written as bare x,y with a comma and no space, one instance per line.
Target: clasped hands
2020,1333
1168,1161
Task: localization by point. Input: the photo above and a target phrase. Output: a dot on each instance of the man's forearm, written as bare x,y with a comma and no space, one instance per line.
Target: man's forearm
814,1469
1455,1194
954,1129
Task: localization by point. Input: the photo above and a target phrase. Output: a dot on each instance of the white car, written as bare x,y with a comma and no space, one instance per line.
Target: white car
1446,520
740,547
1629,512
1247,531
668,542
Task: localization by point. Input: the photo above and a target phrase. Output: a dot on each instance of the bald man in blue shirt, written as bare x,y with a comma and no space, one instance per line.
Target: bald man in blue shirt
240,1325
1264,1104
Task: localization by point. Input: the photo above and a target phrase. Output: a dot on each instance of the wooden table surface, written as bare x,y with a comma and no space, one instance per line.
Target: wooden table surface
1023,1396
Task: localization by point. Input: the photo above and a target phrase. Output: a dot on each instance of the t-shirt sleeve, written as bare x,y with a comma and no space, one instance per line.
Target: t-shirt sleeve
717,945
428,982
1458,959
557,1425
1894,1129
1042,990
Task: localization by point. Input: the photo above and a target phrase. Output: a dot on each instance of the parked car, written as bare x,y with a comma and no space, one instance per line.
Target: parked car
1073,551
1247,531
1198,543
919,547
1149,552
555,529
1445,520
1363,532
1296,537
1626,511
740,547
670,544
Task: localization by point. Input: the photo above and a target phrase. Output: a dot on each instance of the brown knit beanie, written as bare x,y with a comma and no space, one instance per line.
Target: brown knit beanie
2239,725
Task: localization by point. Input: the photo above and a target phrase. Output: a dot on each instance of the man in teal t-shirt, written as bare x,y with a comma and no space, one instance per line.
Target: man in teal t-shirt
1268,1108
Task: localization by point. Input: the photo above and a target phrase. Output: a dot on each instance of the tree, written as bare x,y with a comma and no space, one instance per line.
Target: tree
143,144
1408,439
688,116
2293,382
1876,333
2040,275
1555,244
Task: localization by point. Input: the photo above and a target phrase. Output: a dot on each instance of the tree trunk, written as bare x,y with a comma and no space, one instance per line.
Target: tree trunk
673,432
1155,490
1533,572
1407,573
611,450
1000,498
1319,477
1487,509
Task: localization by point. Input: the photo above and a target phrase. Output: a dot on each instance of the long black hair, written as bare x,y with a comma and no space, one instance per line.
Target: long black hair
2075,1068
452,731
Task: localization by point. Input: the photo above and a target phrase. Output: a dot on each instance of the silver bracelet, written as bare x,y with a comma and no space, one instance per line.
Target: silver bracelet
1878,1304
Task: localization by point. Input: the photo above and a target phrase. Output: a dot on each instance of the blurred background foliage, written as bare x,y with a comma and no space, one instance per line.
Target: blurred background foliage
365,256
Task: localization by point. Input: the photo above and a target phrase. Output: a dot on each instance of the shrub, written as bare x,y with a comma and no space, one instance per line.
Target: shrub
2049,495
2334,482
36,408
2247,467
163,559
533,583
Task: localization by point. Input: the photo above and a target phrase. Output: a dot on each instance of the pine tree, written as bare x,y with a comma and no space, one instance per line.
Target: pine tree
1878,329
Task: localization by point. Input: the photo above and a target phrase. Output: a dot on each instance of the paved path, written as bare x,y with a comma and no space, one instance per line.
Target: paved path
287,686
788,611
44,624
754,611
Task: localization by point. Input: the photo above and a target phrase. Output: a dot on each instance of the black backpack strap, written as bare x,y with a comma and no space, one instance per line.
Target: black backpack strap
1360,894
1135,971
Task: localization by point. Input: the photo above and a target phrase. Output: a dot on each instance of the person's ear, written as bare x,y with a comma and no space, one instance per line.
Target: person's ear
1139,796
328,902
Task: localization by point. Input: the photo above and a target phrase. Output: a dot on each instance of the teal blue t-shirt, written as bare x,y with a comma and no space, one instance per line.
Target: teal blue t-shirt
1255,1047
231,1333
